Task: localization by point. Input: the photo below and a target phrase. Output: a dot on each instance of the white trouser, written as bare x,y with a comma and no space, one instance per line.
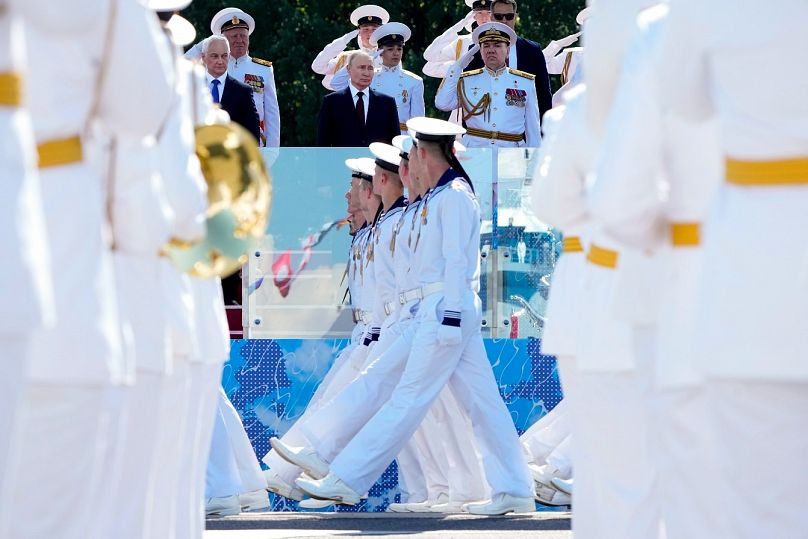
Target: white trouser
429,368
13,354
231,443
561,458
59,451
614,429
412,478
111,461
169,444
205,379
127,503
543,436
762,441
587,513
688,473
345,369
332,427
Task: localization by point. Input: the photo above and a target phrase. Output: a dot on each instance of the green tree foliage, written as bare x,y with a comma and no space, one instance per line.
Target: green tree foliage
290,33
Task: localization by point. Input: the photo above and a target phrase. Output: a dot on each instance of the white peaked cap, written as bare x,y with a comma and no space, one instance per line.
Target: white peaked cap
369,13
423,128
226,15
388,157
362,165
399,30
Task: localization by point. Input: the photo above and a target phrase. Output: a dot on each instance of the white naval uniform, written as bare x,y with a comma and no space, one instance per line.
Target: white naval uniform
545,436
558,198
450,243
404,86
424,462
750,337
513,108
259,75
338,376
566,64
232,467
76,361
644,143
185,190
334,57
25,281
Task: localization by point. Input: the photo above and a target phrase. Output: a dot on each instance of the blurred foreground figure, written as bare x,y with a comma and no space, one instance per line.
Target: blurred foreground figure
75,364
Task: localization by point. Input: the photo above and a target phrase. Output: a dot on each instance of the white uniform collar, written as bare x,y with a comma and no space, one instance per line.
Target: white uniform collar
496,73
393,69
244,59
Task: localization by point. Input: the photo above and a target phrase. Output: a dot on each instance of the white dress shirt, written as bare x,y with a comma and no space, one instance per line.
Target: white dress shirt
365,97
222,80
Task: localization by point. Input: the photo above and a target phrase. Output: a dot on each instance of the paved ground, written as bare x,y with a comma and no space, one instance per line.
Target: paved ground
544,525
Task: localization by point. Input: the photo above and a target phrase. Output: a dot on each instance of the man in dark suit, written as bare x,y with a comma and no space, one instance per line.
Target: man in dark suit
527,56
357,115
237,99
233,96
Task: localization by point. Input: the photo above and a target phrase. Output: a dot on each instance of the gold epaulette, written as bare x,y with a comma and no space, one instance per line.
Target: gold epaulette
524,74
472,72
262,62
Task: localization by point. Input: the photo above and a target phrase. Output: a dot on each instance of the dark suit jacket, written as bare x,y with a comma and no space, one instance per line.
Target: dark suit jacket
339,124
238,101
530,59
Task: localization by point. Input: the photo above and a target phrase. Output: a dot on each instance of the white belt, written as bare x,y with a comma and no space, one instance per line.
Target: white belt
419,293
362,316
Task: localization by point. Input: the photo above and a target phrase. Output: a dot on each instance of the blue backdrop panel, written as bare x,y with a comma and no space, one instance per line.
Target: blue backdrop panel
270,382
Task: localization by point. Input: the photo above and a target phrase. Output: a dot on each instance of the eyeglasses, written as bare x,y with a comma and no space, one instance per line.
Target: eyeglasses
504,16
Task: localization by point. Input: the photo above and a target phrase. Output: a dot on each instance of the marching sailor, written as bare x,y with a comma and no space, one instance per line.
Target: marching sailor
447,346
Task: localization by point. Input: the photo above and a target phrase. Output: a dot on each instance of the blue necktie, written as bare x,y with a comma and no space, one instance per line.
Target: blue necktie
214,90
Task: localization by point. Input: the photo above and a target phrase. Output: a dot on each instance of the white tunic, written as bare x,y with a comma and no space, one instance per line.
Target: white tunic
558,198
25,279
644,143
513,108
753,313
260,76
85,347
384,266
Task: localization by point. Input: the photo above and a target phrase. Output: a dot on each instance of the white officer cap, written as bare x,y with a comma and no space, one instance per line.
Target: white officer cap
363,167
182,31
479,4
433,130
584,14
392,33
493,31
229,18
387,156
369,14
404,144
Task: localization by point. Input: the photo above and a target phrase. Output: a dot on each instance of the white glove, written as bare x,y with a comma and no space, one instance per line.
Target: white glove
468,55
449,335
376,54
467,19
350,35
569,40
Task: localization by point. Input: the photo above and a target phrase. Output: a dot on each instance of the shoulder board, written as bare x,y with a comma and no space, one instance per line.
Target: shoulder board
411,74
528,76
472,72
262,62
